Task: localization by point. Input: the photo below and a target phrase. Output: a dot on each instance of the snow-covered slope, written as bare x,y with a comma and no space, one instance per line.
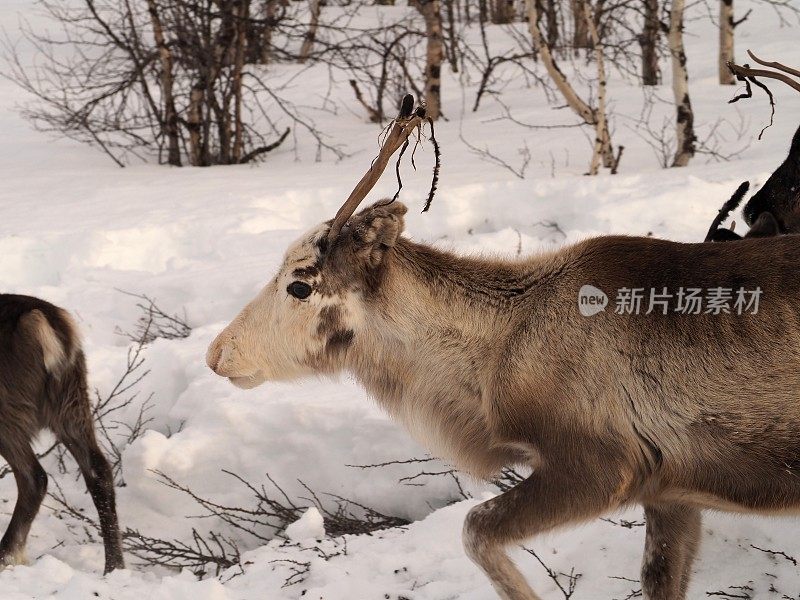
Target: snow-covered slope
75,229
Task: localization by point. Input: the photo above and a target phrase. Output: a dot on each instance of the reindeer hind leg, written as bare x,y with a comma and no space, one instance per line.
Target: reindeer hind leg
31,480
74,427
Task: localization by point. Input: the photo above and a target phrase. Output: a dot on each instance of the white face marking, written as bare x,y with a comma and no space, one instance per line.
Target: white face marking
280,337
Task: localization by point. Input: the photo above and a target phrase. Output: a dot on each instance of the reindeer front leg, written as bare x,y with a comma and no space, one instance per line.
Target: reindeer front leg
545,500
673,532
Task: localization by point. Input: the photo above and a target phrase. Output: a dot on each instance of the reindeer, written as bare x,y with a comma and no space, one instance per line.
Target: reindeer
780,195
491,363
773,210
43,385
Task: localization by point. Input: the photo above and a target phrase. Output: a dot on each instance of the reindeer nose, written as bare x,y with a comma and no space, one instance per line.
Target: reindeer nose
214,355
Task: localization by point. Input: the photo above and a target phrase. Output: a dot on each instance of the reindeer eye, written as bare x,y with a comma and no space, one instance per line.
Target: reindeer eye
299,289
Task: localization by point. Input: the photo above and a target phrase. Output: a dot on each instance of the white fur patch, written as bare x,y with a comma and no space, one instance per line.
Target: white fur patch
74,335
52,349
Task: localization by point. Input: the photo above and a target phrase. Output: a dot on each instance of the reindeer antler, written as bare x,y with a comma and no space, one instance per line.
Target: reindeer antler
747,75
781,71
409,119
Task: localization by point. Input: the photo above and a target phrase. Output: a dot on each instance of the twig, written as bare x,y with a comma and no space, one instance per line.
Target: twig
572,577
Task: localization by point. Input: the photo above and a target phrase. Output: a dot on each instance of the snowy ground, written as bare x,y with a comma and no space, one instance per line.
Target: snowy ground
75,229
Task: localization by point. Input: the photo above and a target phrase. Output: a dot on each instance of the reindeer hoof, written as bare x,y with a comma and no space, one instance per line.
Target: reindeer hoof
14,558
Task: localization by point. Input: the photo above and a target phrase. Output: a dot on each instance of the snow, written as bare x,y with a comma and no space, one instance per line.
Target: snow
76,230
308,527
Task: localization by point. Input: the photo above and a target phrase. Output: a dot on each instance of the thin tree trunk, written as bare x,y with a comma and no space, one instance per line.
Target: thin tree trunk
602,148
551,15
602,140
726,26
242,18
197,157
431,11
223,53
648,40
311,32
583,110
501,11
684,133
580,32
451,48
270,17
169,121
483,10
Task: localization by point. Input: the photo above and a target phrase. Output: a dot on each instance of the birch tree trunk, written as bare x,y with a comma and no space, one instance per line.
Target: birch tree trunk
726,26
583,110
431,11
311,32
684,133
648,40
603,149
602,141
169,117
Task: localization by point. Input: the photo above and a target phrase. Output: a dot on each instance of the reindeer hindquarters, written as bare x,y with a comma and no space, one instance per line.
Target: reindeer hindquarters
31,481
671,541
542,502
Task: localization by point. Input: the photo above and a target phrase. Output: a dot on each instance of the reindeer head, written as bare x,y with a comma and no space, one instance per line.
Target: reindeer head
307,317
780,195
773,210
310,314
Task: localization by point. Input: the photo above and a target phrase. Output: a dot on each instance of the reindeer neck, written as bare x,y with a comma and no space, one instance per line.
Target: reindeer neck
431,342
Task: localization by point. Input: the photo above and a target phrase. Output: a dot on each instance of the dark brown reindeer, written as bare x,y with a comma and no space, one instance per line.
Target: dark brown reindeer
43,385
773,210
780,195
492,363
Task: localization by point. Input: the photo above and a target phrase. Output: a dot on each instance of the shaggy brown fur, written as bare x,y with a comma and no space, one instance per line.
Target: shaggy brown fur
491,364
43,385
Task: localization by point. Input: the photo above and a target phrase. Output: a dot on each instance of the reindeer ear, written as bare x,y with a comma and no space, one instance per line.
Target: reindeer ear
764,226
376,229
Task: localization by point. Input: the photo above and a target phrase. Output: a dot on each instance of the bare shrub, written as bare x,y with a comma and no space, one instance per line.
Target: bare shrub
162,79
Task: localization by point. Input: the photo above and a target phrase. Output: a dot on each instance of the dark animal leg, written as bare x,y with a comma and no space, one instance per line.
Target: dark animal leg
673,533
31,482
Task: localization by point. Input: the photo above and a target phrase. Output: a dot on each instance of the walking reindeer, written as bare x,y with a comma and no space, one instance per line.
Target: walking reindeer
492,363
43,385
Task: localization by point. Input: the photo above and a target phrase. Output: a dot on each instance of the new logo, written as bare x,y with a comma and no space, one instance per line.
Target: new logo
591,300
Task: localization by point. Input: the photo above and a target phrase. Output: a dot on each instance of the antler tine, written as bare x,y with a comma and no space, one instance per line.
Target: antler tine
405,123
774,65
